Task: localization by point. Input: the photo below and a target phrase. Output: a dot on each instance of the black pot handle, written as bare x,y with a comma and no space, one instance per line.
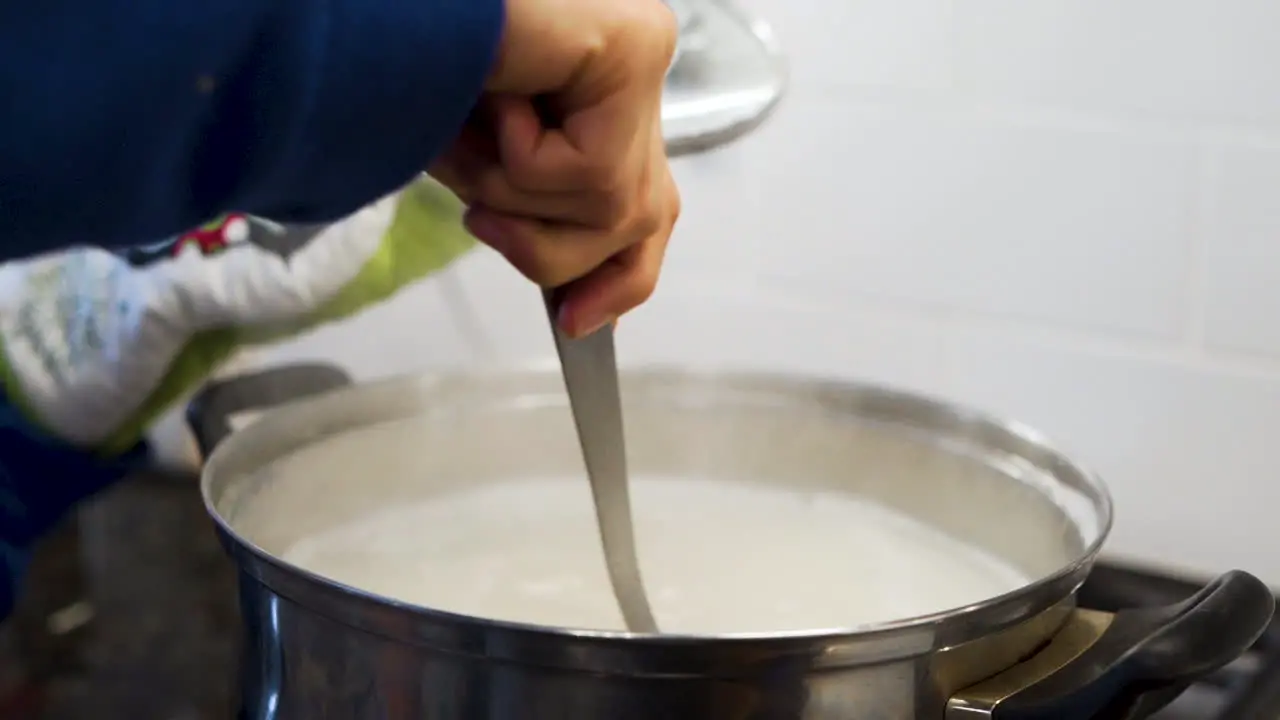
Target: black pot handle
1146,656
210,412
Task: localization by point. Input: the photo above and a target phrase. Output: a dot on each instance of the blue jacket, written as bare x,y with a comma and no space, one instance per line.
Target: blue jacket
127,120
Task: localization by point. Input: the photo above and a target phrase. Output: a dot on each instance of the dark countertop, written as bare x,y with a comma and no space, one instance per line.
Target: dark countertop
163,642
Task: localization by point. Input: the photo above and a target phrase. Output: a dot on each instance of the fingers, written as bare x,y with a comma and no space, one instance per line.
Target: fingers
533,171
535,155
551,251
601,276
613,289
552,254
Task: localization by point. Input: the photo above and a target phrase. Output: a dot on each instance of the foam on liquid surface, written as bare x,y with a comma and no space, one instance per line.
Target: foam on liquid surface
717,557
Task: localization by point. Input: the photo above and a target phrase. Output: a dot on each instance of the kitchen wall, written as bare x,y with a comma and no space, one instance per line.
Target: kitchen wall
1065,211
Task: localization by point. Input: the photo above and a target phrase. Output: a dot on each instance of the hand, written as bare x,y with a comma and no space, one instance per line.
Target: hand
563,162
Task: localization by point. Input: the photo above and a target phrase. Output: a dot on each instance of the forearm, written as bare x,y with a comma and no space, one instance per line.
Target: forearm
124,121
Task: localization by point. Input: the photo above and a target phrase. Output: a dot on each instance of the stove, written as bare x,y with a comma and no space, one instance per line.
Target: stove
1248,689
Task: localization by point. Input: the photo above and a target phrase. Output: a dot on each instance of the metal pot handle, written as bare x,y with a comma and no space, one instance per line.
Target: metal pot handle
210,412
1130,664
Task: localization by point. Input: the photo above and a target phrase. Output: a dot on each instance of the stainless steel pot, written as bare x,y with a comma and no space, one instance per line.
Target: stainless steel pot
316,649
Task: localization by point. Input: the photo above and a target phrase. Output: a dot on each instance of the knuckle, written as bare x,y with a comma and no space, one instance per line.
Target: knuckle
669,35
646,224
675,205
663,31
646,283
650,219
603,174
613,208
639,286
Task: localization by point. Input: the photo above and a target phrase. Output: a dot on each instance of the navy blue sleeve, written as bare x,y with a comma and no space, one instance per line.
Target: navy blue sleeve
126,121
41,479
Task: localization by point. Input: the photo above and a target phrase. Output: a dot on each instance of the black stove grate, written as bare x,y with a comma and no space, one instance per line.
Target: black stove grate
1248,689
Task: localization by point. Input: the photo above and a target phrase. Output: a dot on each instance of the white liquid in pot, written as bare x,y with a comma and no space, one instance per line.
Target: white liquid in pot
717,557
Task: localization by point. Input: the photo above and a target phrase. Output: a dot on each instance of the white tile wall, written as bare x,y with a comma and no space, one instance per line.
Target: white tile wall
953,209
865,43
1067,211
1169,60
1242,253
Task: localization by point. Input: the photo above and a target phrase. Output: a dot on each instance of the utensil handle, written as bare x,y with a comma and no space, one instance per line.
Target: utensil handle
590,369
1147,656
210,412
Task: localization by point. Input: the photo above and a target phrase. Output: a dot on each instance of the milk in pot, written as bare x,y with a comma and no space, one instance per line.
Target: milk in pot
717,556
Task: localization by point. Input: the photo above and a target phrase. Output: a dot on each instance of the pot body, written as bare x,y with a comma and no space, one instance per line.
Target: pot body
316,649
302,663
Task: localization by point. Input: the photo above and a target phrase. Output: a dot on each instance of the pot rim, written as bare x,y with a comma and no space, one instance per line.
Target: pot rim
893,639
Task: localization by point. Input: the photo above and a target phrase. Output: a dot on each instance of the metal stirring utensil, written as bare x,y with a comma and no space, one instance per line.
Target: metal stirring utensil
590,370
